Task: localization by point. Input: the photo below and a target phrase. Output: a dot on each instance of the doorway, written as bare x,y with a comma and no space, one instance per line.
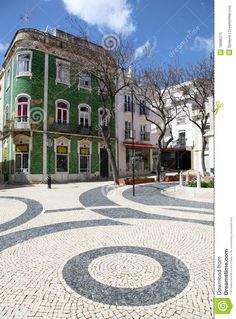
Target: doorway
104,171
22,163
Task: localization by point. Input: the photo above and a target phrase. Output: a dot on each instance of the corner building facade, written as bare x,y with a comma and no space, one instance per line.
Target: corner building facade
50,117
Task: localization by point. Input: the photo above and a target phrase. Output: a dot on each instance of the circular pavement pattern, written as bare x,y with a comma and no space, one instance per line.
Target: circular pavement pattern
174,278
125,270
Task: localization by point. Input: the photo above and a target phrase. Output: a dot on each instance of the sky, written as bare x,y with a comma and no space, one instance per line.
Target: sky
161,31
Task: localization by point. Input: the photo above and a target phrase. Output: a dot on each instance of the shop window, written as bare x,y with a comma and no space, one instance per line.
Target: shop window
62,159
84,160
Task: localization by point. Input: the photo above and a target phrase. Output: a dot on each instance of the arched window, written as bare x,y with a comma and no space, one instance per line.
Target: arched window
103,117
62,112
84,115
23,109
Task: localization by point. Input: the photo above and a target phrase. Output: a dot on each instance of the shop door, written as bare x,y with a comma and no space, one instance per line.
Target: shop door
104,163
22,164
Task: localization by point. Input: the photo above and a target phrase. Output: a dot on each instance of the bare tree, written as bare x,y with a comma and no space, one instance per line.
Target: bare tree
196,89
107,65
154,87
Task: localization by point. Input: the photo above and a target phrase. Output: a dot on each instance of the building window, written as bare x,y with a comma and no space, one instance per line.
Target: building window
128,130
62,159
127,102
63,72
8,78
103,117
84,160
22,109
62,113
84,116
85,82
22,158
182,139
143,110
6,114
24,64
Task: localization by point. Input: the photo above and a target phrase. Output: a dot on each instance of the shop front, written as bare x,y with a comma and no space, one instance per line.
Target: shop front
142,155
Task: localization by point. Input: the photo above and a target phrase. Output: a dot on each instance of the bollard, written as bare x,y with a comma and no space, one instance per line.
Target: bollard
181,179
198,180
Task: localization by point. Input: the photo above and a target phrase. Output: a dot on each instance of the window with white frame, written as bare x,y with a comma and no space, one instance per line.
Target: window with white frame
63,72
84,160
6,114
127,103
24,64
128,130
22,109
85,81
103,117
84,116
8,78
62,112
62,159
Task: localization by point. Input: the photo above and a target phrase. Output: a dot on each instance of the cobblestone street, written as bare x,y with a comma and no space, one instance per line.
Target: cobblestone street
92,250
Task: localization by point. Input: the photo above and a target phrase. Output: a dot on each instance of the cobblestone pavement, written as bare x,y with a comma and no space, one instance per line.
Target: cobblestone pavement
90,250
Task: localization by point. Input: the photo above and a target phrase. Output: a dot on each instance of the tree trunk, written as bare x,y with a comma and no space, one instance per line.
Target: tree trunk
202,155
159,165
112,161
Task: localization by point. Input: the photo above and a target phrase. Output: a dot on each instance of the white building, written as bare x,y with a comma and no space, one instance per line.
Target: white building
144,139
183,153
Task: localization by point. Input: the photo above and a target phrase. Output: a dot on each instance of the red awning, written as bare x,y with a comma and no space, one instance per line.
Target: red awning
130,145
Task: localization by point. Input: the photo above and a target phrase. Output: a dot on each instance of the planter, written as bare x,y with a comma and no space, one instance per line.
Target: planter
129,181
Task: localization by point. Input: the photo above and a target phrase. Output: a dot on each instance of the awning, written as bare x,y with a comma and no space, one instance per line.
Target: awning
130,145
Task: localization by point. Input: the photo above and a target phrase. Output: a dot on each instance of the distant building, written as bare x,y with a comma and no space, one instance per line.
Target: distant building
40,100
184,152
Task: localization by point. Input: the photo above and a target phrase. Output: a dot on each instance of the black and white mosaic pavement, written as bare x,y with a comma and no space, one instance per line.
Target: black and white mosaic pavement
151,195
97,259
34,208
174,279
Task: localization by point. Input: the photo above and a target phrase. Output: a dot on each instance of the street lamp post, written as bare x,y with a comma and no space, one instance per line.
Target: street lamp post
133,160
49,141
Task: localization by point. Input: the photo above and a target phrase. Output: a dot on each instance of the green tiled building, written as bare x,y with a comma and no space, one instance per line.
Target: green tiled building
51,112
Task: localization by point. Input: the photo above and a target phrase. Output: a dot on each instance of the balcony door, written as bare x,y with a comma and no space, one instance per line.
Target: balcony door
22,118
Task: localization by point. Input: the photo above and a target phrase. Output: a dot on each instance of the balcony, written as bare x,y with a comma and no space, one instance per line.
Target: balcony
22,123
85,130
145,136
62,127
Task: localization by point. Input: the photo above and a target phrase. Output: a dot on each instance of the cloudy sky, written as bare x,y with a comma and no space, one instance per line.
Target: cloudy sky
167,29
